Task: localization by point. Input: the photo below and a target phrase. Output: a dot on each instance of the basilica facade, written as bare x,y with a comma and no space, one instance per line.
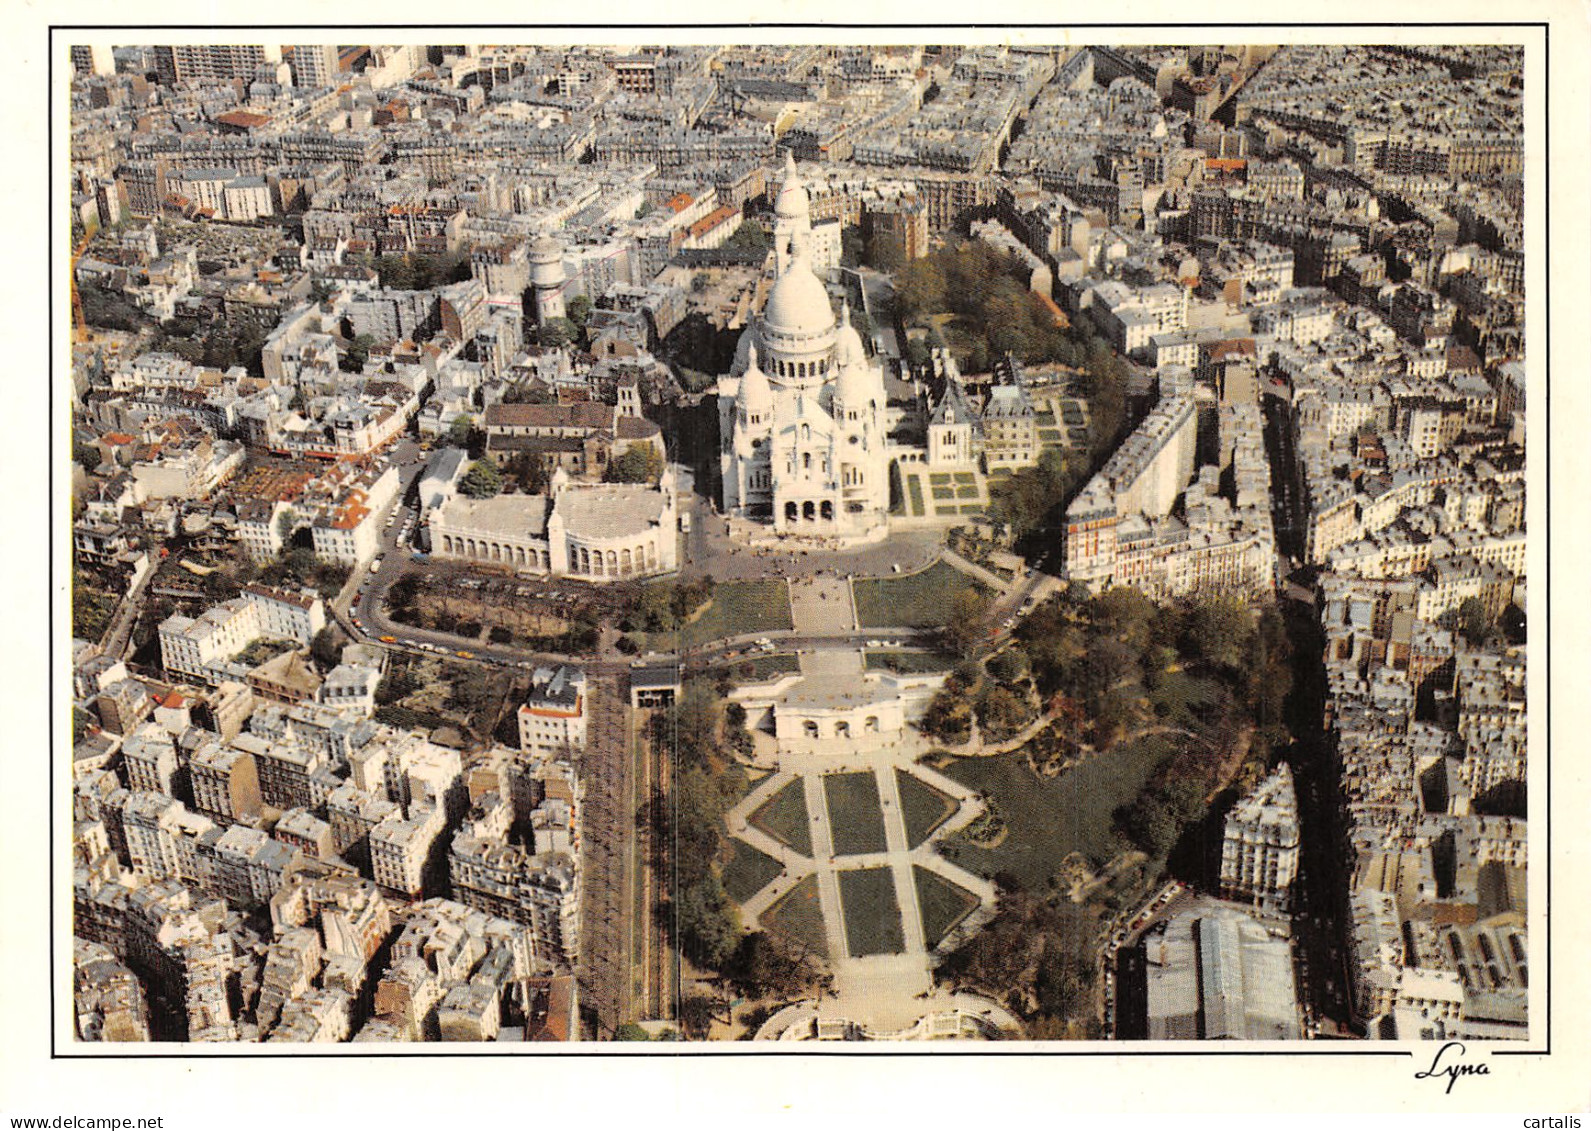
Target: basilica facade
802,412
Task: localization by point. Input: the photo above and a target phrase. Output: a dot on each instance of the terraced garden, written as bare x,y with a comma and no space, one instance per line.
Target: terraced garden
784,817
943,904
856,818
739,607
915,600
923,807
872,913
748,871
798,916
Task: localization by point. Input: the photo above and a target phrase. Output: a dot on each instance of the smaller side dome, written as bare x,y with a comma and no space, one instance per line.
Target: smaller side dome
848,348
756,397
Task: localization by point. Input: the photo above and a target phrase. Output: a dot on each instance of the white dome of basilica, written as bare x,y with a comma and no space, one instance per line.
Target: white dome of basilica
798,306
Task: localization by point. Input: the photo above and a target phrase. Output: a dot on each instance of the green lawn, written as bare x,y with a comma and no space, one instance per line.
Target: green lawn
943,904
945,492
872,914
856,819
1047,818
1050,435
798,915
914,600
784,817
915,487
923,807
943,511
739,607
966,477
939,478
753,669
748,871
967,492
907,662
972,508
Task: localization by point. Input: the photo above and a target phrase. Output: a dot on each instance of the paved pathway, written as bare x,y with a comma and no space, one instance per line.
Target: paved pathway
994,581
822,606
828,878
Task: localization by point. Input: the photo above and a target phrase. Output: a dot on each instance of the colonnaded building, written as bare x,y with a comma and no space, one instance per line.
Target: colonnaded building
803,411
595,531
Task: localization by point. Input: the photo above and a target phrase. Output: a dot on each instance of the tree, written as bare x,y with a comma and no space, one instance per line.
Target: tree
692,724
1001,712
482,480
1124,612
630,1031
402,592
326,647
768,966
461,432
696,1014
750,237
579,311
110,309
884,251
85,455
1109,661
1062,983
964,627
396,272
1009,665
920,287
948,717
220,351
850,247
1147,824
1269,672
708,926
397,684
555,332
286,522
357,353
1112,716
1215,631
1472,622
641,463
